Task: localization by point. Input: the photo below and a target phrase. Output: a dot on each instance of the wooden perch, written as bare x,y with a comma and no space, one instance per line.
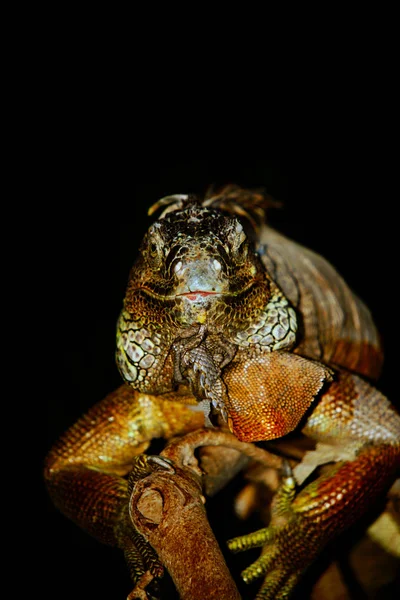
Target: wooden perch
168,510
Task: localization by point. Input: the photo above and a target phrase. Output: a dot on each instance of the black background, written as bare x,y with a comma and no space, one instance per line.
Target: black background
340,207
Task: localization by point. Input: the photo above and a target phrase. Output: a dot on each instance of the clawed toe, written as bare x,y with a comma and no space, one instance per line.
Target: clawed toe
162,462
145,464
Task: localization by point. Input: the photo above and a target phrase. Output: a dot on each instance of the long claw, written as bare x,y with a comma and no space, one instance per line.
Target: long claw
163,462
144,464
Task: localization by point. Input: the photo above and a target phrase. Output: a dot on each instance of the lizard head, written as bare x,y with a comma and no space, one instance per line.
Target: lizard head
191,259
197,278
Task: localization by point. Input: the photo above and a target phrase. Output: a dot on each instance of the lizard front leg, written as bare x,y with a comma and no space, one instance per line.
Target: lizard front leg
363,431
85,471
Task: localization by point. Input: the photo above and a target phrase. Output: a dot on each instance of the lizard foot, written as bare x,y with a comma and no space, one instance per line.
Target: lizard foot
286,553
145,464
143,563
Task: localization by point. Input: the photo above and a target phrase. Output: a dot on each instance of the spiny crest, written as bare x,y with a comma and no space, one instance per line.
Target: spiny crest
249,204
173,203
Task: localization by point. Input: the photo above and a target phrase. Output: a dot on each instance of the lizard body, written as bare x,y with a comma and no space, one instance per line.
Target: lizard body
223,312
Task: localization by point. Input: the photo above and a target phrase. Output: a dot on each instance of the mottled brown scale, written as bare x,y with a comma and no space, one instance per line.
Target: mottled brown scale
337,326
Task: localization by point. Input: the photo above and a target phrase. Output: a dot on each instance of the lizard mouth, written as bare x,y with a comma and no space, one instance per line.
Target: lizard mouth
194,295
190,294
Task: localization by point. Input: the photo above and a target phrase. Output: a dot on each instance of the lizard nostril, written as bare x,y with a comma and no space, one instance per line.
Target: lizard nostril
178,267
217,264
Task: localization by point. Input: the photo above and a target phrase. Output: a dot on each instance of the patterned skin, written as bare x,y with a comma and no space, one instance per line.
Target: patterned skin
223,312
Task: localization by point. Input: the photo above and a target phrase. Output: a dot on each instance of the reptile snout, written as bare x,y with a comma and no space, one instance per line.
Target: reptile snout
200,274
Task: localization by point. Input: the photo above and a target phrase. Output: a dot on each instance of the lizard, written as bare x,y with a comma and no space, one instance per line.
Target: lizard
225,314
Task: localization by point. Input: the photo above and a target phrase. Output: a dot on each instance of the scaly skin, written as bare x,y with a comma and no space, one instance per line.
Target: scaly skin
264,334
85,469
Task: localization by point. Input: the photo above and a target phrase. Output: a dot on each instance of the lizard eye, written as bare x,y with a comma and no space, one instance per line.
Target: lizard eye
238,242
154,254
154,250
240,251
